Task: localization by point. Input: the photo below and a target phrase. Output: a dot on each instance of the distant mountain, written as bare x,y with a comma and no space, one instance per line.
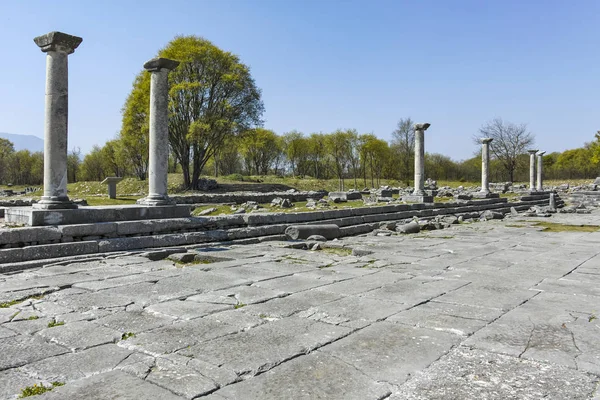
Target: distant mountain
24,142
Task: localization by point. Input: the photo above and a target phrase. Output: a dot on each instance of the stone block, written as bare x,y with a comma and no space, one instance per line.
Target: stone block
120,244
338,197
98,229
296,232
37,217
11,255
58,250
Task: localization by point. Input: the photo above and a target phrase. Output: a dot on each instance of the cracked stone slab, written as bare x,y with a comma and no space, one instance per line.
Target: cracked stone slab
392,352
454,318
180,379
266,346
109,386
12,381
238,295
292,284
365,283
289,305
415,291
353,311
80,335
73,366
134,321
179,335
183,309
20,350
474,374
492,296
115,282
314,376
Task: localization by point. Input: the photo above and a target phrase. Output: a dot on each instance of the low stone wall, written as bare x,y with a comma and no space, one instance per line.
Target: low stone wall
20,245
242,197
587,198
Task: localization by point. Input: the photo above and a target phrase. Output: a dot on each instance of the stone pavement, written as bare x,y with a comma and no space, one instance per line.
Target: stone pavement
491,310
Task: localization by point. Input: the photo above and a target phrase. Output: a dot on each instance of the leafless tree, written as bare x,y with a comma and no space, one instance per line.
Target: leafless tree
510,141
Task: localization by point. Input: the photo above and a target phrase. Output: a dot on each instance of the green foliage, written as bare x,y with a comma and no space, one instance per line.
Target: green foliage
212,96
54,323
36,389
127,335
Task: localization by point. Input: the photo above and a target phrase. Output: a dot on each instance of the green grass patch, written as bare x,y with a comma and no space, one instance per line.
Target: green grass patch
555,227
54,323
517,226
36,389
239,305
105,201
33,317
11,303
127,335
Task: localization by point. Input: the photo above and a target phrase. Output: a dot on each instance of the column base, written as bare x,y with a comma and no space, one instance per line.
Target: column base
54,203
155,200
485,195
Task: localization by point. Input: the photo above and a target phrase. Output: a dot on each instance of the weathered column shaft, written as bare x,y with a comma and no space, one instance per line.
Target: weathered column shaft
485,163
57,47
532,169
159,131
419,162
540,185
56,126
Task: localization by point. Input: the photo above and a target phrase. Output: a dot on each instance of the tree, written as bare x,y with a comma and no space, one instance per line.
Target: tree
6,149
296,150
339,147
375,153
211,96
92,167
317,154
73,164
260,149
403,145
510,141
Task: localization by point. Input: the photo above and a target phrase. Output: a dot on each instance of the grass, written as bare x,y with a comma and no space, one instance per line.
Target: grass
555,227
239,305
54,323
8,304
127,335
33,317
36,389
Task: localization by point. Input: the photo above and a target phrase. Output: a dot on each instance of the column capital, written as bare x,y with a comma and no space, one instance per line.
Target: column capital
422,127
486,140
541,153
156,64
58,41
532,151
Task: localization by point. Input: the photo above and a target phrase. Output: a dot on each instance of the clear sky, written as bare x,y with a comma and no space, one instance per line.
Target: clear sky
327,64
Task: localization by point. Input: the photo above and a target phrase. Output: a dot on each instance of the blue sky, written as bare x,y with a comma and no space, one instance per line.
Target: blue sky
324,65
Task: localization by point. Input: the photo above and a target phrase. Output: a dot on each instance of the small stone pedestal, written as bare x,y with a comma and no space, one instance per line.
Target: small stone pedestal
484,195
417,198
112,181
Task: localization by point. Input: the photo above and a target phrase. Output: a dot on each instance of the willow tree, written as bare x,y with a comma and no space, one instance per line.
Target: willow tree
211,96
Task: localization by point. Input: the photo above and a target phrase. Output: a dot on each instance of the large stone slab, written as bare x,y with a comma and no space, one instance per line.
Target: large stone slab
392,352
109,386
474,374
80,335
20,350
266,346
86,215
315,376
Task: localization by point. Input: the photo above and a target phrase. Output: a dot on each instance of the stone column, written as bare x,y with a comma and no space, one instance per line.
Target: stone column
57,46
485,163
159,131
540,186
420,159
532,169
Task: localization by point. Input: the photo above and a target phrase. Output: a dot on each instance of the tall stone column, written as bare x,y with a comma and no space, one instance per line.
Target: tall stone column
540,185
57,46
420,159
532,169
485,164
159,131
